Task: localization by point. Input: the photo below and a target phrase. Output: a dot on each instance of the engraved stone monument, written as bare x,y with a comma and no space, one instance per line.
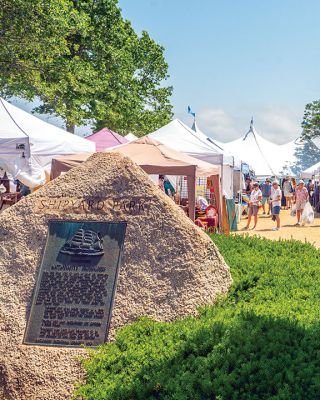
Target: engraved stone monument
59,261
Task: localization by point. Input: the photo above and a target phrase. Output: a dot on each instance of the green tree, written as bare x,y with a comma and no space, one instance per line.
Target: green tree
311,120
25,46
85,63
307,154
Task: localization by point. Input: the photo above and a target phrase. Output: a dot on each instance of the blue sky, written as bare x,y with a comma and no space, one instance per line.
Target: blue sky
233,59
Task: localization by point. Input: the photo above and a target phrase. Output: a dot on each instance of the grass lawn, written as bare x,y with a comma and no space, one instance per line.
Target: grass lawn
260,342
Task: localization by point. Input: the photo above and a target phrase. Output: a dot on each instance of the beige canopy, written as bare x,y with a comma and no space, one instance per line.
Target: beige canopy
154,158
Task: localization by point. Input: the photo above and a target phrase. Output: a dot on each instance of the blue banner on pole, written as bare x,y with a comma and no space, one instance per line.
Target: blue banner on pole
190,112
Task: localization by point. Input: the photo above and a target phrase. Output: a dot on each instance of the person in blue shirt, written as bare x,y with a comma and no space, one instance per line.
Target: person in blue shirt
168,188
266,193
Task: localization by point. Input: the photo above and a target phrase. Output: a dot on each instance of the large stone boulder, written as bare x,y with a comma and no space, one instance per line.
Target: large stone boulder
170,267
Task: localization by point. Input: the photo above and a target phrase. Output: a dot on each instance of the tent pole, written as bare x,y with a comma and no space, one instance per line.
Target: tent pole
191,182
240,192
221,195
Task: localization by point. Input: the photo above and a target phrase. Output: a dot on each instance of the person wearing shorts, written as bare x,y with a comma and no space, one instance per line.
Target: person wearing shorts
301,197
287,192
266,193
255,198
276,203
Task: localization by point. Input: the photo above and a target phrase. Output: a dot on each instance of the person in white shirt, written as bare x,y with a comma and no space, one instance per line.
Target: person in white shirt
276,203
255,198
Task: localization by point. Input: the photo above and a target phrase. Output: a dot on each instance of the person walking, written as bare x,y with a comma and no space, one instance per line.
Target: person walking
255,198
249,186
266,193
288,192
294,185
301,197
276,204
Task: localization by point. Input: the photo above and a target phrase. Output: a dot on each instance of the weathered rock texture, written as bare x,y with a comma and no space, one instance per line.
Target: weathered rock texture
169,268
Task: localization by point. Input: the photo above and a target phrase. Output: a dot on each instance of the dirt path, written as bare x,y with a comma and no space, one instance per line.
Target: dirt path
309,233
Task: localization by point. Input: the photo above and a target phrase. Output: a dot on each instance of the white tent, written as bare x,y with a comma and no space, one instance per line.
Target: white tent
316,142
218,145
266,158
131,137
230,175
28,144
180,137
309,172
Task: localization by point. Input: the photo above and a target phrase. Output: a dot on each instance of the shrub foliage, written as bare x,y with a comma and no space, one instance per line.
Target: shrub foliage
260,342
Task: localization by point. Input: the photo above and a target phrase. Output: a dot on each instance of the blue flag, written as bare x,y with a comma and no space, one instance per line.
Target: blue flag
190,112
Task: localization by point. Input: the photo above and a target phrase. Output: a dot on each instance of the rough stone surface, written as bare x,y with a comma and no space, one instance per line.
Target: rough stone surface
169,269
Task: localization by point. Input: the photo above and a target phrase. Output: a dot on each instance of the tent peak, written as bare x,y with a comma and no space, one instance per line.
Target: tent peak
106,138
148,140
2,101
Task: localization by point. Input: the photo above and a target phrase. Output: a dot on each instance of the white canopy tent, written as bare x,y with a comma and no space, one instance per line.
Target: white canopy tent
180,137
28,144
230,175
237,176
131,136
266,158
316,142
228,158
311,171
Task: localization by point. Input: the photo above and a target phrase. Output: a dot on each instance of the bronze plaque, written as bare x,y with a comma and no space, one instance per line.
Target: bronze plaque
75,289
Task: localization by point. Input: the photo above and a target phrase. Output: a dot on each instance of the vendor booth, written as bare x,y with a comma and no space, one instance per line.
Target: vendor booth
180,137
311,172
154,158
106,138
28,144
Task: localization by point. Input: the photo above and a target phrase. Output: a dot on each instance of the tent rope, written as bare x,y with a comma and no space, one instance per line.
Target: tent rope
257,143
19,127
263,155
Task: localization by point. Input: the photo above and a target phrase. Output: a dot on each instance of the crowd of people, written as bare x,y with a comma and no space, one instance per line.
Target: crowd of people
269,197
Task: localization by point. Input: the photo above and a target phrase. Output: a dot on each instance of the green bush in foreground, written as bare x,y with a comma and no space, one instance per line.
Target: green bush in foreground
261,342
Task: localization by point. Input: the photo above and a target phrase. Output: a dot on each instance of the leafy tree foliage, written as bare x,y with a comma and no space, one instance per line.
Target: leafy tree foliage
31,35
307,154
84,62
311,120
260,342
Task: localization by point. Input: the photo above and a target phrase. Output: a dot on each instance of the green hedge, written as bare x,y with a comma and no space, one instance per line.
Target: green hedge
261,342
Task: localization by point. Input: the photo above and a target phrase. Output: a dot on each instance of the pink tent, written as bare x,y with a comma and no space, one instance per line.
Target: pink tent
106,138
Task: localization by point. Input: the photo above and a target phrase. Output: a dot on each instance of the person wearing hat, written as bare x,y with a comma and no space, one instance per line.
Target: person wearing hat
266,193
276,203
301,197
255,198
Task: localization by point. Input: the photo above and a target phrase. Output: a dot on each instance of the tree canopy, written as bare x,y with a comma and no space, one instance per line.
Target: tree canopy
84,62
306,155
311,120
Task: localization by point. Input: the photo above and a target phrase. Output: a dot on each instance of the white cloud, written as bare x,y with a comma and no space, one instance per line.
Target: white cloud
218,124
279,126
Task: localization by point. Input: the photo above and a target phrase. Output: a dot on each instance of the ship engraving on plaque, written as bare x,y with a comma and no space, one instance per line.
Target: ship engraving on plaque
83,243
75,289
